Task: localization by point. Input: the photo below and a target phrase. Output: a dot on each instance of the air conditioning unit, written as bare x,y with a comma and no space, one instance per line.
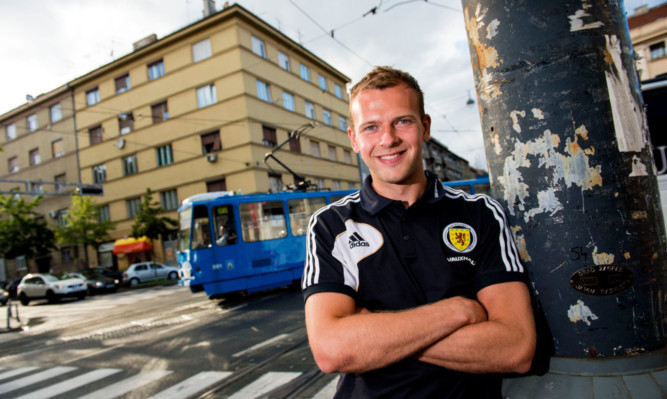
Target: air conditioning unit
211,157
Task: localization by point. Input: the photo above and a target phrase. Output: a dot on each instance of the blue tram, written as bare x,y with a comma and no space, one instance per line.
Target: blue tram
246,243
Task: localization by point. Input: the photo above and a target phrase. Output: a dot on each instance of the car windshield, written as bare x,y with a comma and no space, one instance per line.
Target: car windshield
49,277
90,275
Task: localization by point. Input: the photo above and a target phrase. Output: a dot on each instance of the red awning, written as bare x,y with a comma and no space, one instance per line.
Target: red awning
130,245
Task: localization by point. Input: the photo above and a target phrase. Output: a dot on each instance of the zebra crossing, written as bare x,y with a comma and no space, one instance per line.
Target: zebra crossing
36,383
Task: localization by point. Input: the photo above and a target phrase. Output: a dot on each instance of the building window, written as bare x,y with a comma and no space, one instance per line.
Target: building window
332,153
164,156
288,101
125,122
95,134
21,264
169,200
327,117
304,72
314,148
206,96
93,96
37,187
270,139
295,145
123,83
275,183
10,130
657,50
319,183
342,123
322,81
210,142
13,164
338,91
103,214
155,70
31,122
310,110
61,217
130,166
33,156
201,50
56,113
60,179
216,185
283,61
336,185
258,47
99,173
132,206
263,91
57,148
348,157
160,112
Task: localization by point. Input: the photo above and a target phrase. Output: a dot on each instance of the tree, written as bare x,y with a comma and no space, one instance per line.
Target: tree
23,232
148,222
82,225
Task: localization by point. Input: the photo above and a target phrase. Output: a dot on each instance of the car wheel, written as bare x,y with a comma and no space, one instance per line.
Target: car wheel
134,281
24,299
173,275
51,297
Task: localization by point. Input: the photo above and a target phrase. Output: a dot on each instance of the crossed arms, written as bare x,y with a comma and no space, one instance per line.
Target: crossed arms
495,334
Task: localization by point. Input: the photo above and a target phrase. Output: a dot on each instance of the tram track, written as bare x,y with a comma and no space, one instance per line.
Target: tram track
288,391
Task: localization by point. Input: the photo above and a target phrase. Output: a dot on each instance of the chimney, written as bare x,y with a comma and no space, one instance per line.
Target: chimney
144,42
209,8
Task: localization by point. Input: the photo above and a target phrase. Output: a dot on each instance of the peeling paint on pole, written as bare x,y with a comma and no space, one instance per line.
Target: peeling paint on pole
566,144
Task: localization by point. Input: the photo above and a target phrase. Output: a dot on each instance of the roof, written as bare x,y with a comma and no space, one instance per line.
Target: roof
653,14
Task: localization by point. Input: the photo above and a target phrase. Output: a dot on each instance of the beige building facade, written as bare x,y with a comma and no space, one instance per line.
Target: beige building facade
198,110
648,32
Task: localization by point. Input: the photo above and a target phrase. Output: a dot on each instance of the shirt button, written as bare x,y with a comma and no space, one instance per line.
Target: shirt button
406,237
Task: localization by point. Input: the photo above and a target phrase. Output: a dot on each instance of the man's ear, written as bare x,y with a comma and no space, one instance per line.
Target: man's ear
353,139
426,123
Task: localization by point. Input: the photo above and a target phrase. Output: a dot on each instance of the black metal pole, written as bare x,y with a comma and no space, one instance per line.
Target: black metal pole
568,154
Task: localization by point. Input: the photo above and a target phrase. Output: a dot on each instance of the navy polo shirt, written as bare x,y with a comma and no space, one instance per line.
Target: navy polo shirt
386,257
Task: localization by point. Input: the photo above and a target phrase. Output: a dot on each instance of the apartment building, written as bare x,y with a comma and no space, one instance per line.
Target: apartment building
38,157
197,111
648,32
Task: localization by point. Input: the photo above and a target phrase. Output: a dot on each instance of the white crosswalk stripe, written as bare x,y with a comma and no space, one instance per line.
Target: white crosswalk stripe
35,378
112,389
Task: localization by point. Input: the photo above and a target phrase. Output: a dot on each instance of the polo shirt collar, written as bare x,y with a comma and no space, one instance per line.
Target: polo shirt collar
373,202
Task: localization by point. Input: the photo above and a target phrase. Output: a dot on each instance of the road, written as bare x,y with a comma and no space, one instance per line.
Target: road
161,342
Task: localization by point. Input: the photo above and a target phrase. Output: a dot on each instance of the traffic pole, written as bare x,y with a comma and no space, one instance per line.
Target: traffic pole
568,153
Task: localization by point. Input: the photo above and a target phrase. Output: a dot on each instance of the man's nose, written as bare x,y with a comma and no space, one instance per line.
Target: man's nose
389,137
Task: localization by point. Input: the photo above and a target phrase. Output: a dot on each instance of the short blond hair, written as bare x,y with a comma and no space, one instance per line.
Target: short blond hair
384,77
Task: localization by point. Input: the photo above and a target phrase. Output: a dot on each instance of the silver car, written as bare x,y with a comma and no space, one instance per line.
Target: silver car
49,287
149,271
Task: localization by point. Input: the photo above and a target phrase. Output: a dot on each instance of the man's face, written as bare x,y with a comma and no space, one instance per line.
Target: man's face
388,131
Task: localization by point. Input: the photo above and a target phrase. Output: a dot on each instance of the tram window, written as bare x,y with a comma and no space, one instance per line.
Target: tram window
484,188
185,219
225,228
261,221
201,234
300,211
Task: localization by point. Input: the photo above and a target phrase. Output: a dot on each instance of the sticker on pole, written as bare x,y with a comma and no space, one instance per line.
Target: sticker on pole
602,280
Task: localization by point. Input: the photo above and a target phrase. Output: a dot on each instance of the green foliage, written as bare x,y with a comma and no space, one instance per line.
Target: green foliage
23,232
148,222
82,224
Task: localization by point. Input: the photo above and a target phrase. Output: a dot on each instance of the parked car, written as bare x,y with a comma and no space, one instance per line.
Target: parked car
4,297
12,287
97,283
116,275
50,287
148,271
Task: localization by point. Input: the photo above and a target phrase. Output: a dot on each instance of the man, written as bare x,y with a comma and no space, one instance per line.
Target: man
224,235
412,290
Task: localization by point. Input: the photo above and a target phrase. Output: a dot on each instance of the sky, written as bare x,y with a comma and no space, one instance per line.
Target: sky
47,43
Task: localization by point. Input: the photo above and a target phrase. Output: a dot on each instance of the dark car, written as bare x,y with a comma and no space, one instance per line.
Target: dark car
11,288
107,273
97,283
4,297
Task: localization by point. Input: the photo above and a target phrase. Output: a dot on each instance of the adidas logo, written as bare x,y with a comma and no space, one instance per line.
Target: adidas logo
357,240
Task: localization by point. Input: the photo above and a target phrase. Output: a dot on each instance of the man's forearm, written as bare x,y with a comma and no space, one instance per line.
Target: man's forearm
364,341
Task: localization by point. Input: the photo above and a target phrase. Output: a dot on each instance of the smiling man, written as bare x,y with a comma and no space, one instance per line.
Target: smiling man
412,289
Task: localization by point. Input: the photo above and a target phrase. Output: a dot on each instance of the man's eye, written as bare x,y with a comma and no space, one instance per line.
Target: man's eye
370,128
